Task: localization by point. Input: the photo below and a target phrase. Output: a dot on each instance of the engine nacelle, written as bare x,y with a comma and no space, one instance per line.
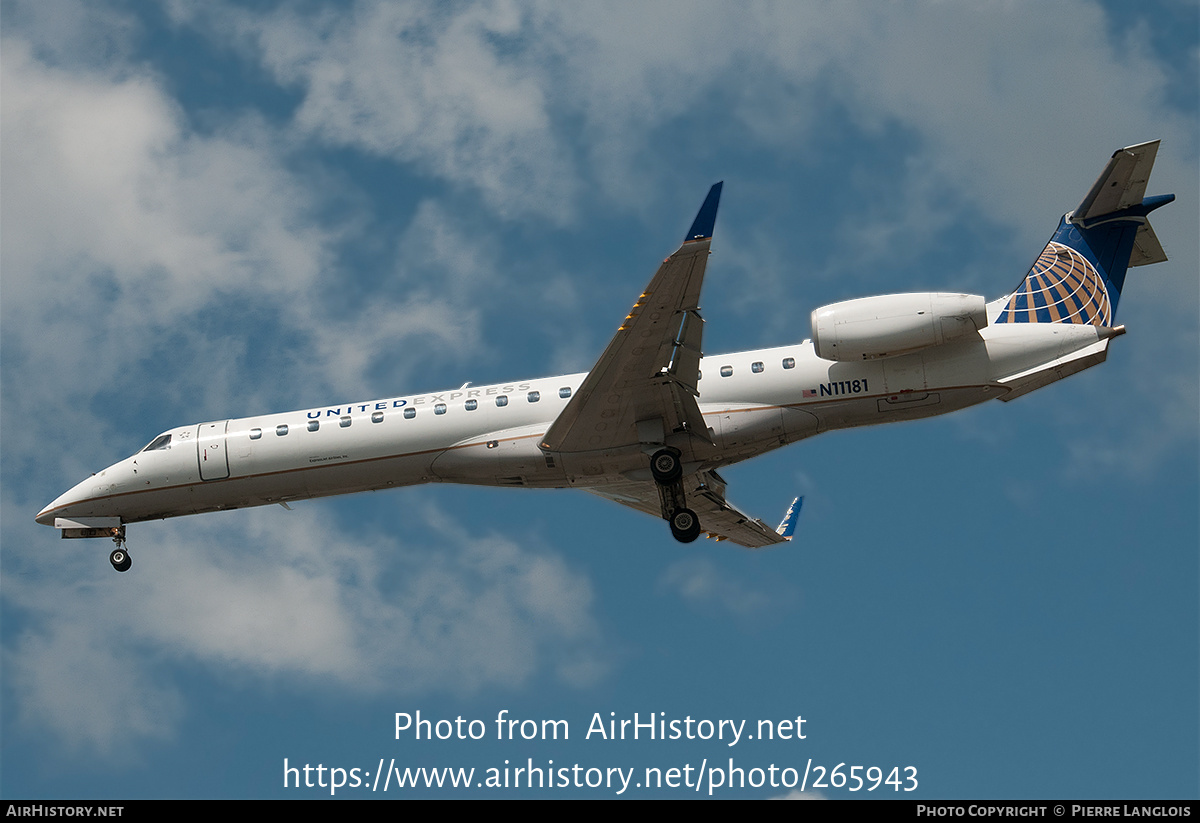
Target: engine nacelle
892,324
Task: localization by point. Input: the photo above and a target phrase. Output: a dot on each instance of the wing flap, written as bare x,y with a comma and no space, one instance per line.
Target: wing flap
724,521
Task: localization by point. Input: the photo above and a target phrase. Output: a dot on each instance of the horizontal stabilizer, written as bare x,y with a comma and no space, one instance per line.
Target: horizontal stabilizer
1146,248
1122,183
1022,384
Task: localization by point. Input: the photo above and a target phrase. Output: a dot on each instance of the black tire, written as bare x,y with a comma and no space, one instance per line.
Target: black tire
120,559
665,467
685,526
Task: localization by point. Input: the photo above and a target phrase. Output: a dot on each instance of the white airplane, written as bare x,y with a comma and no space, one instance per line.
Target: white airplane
653,421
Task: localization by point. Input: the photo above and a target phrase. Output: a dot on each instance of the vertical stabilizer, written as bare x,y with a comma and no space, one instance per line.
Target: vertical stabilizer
1078,277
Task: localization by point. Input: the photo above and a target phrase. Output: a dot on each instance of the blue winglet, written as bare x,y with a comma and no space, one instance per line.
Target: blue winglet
788,526
706,218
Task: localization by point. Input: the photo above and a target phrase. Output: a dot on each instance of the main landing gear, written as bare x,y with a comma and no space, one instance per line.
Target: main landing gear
667,469
685,526
120,559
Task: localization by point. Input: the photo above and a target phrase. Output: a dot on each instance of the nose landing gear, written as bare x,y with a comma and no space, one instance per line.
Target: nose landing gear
120,559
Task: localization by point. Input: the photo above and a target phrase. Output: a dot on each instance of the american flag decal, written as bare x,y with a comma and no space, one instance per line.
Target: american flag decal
809,393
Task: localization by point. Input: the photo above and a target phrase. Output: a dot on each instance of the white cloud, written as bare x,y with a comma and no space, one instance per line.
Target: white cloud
427,86
533,105
102,178
126,232
699,581
455,613
1143,433
122,225
122,229
89,688
75,33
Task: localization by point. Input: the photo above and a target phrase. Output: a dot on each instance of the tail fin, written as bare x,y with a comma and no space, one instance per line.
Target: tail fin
1079,275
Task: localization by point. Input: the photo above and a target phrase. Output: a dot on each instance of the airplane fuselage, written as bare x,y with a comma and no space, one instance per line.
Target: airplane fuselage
752,401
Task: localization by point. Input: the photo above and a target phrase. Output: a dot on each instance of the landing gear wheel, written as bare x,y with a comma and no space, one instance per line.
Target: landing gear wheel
120,559
685,526
665,467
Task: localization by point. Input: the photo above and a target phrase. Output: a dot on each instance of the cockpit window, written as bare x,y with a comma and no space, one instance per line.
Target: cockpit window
163,441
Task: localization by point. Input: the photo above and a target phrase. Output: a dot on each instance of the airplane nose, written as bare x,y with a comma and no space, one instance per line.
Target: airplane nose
98,496
65,504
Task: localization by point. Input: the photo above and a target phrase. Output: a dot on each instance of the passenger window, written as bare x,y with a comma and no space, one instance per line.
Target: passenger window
534,396
255,434
472,405
377,417
727,371
564,392
502,400
344,421
313,425
281,429
789,362
409,414
440,408
756,367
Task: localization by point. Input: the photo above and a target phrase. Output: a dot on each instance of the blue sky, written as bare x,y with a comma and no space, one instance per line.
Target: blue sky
214,210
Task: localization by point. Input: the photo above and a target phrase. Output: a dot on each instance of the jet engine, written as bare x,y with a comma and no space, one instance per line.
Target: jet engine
894,324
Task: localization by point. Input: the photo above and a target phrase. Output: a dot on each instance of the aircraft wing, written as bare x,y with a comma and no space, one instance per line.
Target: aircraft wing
706,497
651,367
